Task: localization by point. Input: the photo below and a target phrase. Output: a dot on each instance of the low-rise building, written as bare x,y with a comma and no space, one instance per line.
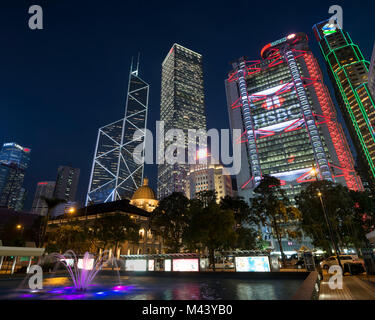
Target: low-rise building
148,242
208,176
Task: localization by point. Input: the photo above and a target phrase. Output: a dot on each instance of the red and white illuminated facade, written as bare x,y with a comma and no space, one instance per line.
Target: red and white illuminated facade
288,119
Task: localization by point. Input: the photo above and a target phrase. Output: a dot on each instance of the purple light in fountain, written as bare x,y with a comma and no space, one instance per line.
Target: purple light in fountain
120,288
81,271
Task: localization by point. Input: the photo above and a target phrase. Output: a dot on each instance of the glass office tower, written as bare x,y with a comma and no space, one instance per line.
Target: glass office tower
348,71
182,107
288,120
14,160
66,183
115,174
43,189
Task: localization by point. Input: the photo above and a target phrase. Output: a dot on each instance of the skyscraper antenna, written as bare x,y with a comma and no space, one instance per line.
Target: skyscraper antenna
138,62
135,71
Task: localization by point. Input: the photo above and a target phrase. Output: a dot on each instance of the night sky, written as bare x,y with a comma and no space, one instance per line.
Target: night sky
60,84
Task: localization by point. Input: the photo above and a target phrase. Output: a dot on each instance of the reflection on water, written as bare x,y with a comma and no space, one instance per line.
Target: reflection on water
56,281
162,288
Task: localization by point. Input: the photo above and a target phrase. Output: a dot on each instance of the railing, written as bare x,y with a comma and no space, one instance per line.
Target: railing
309,290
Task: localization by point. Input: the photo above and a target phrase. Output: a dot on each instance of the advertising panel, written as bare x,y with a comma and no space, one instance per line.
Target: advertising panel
185,264
167,265
69,262
136,265
85,264
253,264
151,265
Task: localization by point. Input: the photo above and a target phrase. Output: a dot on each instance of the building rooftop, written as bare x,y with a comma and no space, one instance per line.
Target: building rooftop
120,205
144,192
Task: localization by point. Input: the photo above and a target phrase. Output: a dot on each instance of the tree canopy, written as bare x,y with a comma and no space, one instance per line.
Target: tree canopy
114,229
169,220
273,209
350,214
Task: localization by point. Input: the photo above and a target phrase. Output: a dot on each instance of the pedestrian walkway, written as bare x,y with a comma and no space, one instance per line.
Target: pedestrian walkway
354,288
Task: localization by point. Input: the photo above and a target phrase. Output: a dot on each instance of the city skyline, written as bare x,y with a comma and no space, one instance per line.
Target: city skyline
70,144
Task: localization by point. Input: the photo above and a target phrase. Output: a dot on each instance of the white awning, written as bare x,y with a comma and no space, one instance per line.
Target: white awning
21,251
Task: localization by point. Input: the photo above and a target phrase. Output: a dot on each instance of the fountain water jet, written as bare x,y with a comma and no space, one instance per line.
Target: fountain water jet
81,271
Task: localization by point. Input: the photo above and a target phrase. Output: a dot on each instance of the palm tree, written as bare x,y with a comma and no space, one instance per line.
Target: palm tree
51,203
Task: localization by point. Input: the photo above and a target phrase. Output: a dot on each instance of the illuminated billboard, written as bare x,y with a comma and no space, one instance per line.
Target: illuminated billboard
151,265
136,265
68,262
167,265
253,264
85,264
185,264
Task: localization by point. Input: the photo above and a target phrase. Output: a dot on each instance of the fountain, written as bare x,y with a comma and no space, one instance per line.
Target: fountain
82,271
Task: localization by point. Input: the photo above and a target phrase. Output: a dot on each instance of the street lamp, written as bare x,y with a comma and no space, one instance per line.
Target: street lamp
70,212
19,227
314,172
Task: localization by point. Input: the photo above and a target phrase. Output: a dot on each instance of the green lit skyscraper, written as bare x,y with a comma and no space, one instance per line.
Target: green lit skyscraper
182,107
348,71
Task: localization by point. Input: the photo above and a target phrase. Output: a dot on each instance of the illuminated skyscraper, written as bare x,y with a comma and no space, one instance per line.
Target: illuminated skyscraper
349,72
371,75
115,174
182,107
14,160
66,183
43,189
288,120
209,176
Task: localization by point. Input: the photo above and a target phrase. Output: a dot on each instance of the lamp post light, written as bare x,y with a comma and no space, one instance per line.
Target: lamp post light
314,172
70,212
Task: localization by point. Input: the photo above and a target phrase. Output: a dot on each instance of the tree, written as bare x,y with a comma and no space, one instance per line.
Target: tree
68,237
210,227
11,235
170,219
273,209
247,223
350,214
51,203
114,229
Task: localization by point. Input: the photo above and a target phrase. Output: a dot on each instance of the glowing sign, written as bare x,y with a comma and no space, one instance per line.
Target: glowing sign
136,265
278,42
273,102
204,263
85,264
151,265
12,144
329,29
185,264
68,262
167,265
253,264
